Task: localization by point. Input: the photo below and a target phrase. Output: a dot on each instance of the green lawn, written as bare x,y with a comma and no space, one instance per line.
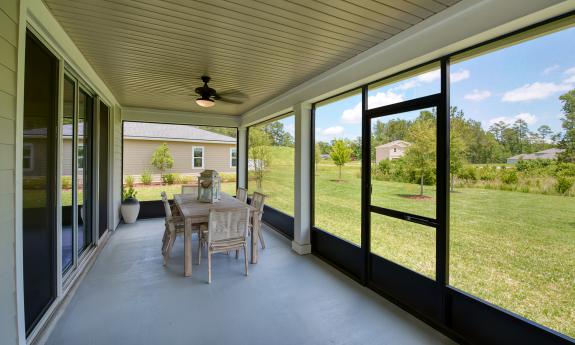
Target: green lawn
146,193
515,250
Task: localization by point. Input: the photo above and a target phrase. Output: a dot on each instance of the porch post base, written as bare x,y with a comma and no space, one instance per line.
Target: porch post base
301,249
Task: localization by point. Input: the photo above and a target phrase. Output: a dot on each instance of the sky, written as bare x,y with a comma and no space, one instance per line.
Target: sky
522,81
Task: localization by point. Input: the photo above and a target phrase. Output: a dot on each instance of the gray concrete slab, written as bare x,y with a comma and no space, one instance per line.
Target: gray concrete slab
128,297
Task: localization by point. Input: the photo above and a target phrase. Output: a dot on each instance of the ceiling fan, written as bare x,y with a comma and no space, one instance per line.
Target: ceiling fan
208,96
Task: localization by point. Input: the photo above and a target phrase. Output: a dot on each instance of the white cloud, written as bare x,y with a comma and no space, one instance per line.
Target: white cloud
550,69
429,76
290,128
527,117
380,99
332,131
460,75
406,85
571,76
477,95
534,91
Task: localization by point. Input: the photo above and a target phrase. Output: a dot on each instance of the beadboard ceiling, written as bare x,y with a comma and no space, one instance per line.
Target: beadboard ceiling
151,53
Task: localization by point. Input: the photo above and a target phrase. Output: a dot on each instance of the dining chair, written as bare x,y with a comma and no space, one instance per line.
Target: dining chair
257,202
174,226
242,194
188,188
227,230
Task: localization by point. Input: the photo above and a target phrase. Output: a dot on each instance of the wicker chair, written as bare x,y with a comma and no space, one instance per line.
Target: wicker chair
187,189
242,195
257,202
227,230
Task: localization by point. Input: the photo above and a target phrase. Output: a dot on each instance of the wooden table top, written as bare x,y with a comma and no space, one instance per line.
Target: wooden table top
190,206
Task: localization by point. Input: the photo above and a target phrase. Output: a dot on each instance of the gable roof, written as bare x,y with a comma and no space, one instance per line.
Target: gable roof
545,154
396,143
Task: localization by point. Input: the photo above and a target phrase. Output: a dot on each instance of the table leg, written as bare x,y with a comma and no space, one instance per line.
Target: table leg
188,248
255,238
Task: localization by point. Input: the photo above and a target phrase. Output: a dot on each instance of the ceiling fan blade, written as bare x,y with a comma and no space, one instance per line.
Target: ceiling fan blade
233,94
227,100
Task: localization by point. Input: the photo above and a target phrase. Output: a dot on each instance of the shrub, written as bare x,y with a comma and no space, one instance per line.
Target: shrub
384,167
509,176
563,184
129,181
488,173
177,178
183,179
468,173
129,193
228,177
168,178
66,182
146,177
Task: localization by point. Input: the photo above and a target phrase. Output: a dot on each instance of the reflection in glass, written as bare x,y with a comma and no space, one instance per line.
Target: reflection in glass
84,230
404,157
67,179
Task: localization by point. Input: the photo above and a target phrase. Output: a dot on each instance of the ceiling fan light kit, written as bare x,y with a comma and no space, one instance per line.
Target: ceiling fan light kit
209,96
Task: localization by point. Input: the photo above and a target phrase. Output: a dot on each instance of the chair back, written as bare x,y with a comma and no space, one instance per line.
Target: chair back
228,224
166,204
242,195
257,201
188,188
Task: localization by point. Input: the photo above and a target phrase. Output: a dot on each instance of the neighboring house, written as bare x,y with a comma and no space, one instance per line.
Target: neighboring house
390,151
545,154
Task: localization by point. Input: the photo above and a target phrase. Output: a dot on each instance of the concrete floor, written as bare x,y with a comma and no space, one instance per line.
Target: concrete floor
128,297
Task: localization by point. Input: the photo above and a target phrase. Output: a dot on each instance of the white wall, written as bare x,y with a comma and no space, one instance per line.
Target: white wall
11,322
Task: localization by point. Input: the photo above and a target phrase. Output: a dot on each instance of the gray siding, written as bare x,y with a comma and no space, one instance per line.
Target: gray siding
9,14
138,153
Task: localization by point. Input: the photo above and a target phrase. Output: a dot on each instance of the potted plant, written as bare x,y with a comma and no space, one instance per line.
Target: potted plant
130,205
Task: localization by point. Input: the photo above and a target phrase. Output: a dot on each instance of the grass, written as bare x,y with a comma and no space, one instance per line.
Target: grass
152,192
513,249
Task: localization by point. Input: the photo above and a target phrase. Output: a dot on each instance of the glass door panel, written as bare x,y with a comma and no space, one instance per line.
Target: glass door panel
83,163
67,179
404,162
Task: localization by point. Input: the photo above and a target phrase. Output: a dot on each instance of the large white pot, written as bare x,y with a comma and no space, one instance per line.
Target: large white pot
130,209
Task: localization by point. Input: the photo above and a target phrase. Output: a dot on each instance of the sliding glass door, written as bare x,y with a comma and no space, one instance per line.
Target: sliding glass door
76,185
39,180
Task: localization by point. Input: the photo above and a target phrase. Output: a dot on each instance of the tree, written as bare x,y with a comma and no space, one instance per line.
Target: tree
340,154
458,144
162,158
522,131
567,142
278,134
259,153
324,147
317,156
420,155
544,132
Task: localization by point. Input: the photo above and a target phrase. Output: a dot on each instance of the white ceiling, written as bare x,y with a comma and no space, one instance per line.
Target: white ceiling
151,53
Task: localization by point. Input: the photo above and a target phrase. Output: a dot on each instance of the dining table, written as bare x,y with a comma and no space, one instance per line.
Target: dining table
196,212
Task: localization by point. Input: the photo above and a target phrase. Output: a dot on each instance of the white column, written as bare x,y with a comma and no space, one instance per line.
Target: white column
242,157
301,242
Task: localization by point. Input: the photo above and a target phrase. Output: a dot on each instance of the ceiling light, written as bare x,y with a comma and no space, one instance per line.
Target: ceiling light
205,102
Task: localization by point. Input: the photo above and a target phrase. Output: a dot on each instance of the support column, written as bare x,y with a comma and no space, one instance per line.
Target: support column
242,157
302,165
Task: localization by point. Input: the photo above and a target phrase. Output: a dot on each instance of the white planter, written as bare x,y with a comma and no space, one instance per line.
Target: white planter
130,211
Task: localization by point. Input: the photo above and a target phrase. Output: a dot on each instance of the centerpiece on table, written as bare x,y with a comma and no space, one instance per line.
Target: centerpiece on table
209,186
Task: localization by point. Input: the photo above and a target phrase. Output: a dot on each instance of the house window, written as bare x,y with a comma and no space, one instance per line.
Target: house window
394,149
198,157
28,157
233,157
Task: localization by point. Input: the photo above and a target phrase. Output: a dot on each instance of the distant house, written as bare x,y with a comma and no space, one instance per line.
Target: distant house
545,154
390,151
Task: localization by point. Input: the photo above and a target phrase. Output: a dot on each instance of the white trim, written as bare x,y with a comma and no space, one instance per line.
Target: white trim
194,157
182,140
232,157
30,146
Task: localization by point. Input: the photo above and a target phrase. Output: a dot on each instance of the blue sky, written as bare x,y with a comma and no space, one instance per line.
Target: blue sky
523,81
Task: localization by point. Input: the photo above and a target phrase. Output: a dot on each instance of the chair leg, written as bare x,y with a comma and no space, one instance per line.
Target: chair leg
199,251
237,253
164,242
246,258
172,239
209,267
261,234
